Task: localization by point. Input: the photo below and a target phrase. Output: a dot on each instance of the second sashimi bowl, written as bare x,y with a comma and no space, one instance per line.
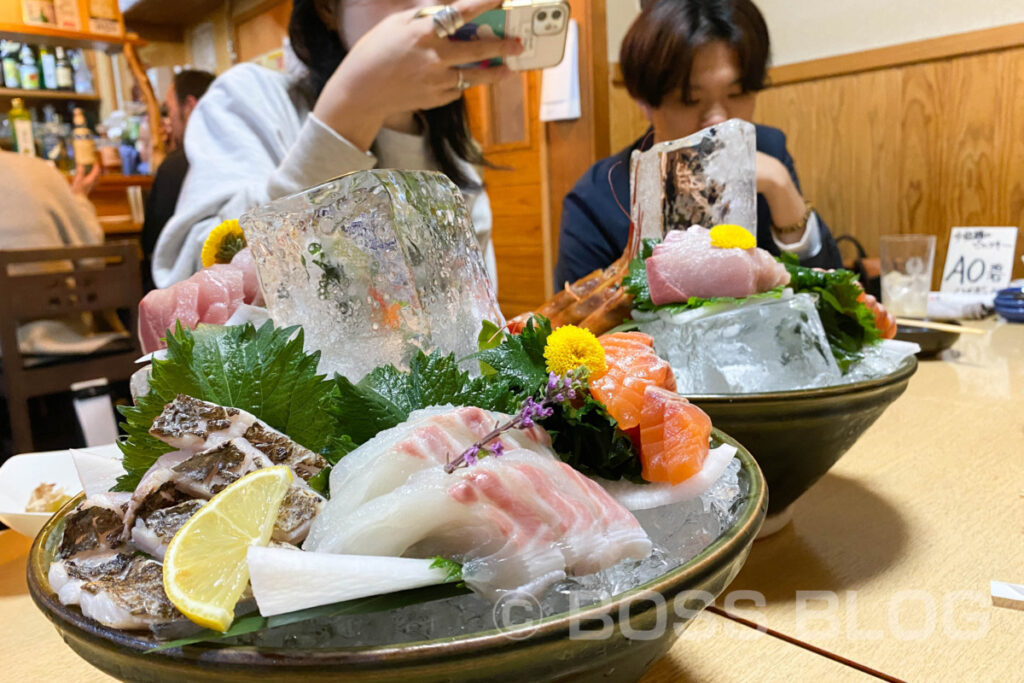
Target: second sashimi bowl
797,436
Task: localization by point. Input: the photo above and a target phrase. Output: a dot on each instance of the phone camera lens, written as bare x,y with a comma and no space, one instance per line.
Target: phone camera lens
541,16
556,15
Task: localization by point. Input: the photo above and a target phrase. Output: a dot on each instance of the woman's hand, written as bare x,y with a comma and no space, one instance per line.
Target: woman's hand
401,66
784,200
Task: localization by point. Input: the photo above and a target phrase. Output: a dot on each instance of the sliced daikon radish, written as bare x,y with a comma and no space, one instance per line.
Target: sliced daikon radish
285,580
647,496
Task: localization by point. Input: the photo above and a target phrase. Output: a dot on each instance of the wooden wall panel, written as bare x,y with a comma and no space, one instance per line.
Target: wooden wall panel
918,148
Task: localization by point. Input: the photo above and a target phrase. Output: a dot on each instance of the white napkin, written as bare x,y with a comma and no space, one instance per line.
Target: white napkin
959,305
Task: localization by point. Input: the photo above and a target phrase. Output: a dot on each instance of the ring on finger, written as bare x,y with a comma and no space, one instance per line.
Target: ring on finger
447,20
463,84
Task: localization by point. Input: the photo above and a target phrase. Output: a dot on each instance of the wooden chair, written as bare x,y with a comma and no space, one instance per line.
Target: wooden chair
86,284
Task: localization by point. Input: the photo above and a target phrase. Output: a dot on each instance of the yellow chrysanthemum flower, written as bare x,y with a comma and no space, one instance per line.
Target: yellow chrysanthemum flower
732,237
224,241
570,347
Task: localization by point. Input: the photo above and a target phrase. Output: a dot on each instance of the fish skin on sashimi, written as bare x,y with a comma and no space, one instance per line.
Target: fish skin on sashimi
685,265
519,522
429,437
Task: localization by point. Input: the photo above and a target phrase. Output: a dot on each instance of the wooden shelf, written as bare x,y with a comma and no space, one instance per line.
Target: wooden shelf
47,95
45,35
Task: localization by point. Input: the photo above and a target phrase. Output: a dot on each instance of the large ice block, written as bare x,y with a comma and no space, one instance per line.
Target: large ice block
374,265
707,178
760,346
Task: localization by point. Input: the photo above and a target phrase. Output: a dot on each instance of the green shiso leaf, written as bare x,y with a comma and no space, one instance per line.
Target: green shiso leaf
385,397
849,323
520,358
263,371
490,337
635,281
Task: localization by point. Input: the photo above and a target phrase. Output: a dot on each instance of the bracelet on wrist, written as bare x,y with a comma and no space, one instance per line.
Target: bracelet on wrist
799,226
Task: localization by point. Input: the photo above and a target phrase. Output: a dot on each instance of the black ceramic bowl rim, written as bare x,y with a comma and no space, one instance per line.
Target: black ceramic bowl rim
905,370
730,544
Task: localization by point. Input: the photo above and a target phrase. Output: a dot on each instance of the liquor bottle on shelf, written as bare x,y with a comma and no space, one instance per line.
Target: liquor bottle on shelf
83,143
48,67
21,128
28,71
64,74
9,57
83,77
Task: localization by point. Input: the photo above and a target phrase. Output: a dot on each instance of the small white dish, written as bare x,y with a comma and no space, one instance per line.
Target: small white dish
19,477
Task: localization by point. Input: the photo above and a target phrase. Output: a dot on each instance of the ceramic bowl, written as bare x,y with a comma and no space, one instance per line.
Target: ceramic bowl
539,651
1009,303
932,342
19,477
797,436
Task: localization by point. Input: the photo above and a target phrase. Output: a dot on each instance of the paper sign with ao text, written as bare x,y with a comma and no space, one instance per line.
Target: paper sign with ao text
979,260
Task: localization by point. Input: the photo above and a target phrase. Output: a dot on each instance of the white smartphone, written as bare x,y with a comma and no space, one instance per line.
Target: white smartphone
541,25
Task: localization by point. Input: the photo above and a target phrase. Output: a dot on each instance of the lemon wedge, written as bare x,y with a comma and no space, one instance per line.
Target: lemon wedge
205,569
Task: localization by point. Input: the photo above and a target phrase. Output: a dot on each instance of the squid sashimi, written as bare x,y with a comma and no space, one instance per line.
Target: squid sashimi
518,522
430,437
674,436
632,367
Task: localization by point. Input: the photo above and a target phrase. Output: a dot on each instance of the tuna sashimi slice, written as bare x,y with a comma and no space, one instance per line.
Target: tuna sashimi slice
686,265
221,291
244,261
161,308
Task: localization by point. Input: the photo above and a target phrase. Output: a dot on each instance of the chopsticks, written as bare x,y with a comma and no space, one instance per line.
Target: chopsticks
941,327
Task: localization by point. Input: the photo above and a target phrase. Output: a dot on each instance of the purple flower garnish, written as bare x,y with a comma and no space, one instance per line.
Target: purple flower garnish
558,390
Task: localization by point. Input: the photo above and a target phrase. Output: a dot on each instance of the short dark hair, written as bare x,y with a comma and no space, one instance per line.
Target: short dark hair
191,82
657,52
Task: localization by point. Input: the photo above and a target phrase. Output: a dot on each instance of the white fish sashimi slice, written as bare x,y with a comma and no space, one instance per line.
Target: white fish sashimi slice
518,523
430,437
286,580
98,468
647,496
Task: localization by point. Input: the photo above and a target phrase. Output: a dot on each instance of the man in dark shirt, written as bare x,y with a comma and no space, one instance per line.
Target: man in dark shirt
181,99
692,64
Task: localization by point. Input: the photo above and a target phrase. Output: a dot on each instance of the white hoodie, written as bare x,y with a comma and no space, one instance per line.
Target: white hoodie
253,139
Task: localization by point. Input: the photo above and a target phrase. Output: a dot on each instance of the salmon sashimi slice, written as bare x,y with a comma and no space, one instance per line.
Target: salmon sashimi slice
674,437
632,368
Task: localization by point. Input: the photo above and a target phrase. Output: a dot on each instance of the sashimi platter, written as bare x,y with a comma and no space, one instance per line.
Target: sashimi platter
342,463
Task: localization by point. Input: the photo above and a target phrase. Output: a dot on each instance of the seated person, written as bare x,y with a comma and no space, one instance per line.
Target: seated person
379,88
181,99
692,64
41,211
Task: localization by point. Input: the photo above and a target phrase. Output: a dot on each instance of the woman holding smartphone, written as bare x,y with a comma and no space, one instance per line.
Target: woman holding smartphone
381,87
691,64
